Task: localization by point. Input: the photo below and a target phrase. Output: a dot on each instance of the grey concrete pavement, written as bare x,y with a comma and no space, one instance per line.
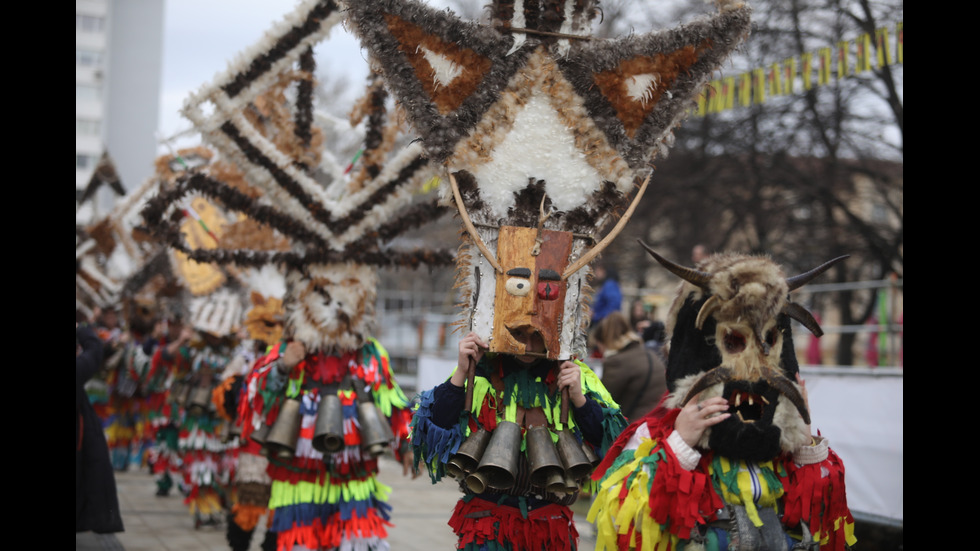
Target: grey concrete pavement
420,510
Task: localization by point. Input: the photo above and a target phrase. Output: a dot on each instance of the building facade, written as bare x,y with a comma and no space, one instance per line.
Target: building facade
118,75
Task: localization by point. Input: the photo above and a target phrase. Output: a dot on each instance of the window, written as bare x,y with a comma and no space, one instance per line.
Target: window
85,162
89,23
86,92
88,58
87,127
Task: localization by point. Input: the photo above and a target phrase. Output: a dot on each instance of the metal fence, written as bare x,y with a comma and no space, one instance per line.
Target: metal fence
414,323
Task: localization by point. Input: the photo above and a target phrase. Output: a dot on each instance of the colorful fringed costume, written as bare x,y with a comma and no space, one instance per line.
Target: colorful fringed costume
125,411
754,477
328,500
206,474
250,482
648,500
164,455
527,516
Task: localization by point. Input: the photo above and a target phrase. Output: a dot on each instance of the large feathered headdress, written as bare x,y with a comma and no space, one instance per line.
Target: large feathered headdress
545,132
330,233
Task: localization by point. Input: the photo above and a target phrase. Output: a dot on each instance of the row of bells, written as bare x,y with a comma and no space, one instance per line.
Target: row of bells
489,460
280,438
195,399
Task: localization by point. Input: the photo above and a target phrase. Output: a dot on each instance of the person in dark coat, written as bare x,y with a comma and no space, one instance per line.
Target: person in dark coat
634,375
96,501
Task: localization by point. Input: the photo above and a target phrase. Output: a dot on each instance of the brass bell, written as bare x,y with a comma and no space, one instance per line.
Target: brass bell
468,456
284,433
225,432
179,392
591,455
260,434
328,435
545,466
199,400
476,482
571,486
373,435
499,462
577,465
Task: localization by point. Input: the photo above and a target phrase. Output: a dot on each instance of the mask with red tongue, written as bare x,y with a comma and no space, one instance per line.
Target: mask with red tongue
731,337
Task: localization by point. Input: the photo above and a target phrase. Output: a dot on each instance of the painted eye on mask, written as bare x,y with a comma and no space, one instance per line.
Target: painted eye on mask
518,282
547,290
549,284
518,286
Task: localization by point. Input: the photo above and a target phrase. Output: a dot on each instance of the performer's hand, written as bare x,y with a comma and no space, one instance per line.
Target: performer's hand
294,353
569,375
471,347
408,464
698,415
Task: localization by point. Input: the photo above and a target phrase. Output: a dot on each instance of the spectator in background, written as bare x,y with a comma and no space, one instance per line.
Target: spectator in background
639,318
698,253
634,375
609,298
655,337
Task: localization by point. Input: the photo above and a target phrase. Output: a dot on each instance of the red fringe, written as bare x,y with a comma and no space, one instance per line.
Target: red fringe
318,536
550,527
818,500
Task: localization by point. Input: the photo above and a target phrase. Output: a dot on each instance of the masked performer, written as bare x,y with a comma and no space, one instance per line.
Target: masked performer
250,482
729,461
545,134
323,402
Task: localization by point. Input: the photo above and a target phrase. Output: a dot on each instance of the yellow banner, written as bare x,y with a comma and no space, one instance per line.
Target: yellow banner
780,78
806,70
843,59
789,75
863,53
823,77
884,55
900,47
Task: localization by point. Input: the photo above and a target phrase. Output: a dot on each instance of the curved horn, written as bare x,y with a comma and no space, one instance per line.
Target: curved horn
788,389
695,277
470,228
713,303
594,251
803,316
713,377
798,281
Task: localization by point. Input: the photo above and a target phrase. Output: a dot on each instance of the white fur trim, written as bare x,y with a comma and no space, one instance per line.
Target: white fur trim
686,455
808,455
539,146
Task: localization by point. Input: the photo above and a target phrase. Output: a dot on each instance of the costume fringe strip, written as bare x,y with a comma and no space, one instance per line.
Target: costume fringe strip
486,525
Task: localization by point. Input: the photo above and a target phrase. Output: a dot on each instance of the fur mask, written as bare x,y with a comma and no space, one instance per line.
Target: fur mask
731,337
330,307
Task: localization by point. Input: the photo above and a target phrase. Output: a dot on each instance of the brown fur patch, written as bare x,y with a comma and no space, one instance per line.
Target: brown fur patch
411,40
633,113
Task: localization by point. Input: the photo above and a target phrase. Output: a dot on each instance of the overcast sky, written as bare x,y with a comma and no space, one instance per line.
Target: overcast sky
202,37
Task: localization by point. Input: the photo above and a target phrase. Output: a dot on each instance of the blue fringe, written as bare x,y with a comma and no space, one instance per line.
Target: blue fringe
431,443
304,514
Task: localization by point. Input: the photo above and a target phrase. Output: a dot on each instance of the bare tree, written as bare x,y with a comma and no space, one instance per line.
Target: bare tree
804,176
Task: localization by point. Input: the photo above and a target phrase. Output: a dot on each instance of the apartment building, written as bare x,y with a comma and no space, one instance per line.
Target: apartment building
118,74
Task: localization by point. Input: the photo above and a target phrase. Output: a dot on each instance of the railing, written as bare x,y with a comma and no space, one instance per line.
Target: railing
412,324
878,343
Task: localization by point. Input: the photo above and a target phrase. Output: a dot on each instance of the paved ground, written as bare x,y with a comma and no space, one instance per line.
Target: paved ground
420,512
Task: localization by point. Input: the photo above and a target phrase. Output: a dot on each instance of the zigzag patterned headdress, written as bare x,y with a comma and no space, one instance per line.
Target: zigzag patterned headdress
544,132
330,233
